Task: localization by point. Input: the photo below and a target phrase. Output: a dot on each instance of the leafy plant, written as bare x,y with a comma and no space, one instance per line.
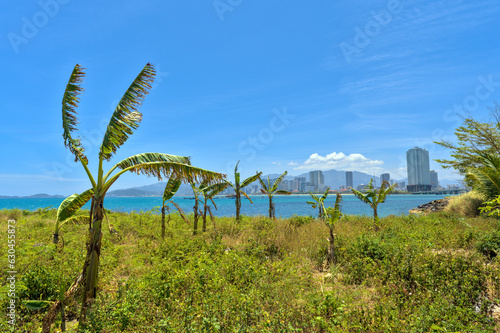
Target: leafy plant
68,208
171,188
374,197
124,121
209,192
485,178
319,202
237,186
271,190
333,214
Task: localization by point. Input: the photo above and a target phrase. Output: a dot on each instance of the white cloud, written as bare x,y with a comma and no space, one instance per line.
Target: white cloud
341,161
276,163
293,163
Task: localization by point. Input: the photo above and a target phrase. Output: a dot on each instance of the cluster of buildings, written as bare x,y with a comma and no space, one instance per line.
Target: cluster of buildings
420,178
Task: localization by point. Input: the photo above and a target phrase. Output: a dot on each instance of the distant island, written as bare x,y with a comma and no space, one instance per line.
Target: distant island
34,196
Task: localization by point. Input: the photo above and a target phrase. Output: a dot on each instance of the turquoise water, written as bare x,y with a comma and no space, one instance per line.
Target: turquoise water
286,206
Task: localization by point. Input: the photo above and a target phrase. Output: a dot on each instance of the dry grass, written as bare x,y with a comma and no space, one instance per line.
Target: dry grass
466,204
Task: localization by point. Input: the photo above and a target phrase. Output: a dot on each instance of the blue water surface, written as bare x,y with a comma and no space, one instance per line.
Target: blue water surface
286,206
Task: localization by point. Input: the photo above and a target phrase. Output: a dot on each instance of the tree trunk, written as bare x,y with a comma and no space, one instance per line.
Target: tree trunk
91,265
376,220
195,224
332,248
205,216
238,202
163,221
56,238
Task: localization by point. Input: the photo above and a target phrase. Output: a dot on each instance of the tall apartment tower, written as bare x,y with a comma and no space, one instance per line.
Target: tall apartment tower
419,175
434,179
316,179
385,177
348,179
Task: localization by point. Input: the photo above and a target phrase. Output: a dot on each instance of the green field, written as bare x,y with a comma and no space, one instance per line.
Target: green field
436,273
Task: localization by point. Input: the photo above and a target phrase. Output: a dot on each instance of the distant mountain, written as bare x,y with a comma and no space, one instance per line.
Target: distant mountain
333,178
34,196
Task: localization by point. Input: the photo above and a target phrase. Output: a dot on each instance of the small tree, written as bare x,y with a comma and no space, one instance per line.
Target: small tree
237,186
333,214
208,192
171,188
271,190
374,197
319,202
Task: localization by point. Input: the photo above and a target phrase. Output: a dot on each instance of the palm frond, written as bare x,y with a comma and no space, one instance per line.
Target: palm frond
264,186
171,188
246,196
278,181
361,196
263,191
181,212
250,179
126,117
69,104
216,188
282,192
183,172
72,204
325,195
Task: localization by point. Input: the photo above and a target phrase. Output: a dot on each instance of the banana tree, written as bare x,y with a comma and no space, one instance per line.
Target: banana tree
237,186
271,190
319,202
208,192
374,197
333,214
485,178
171,188
124,120
196,209
67,210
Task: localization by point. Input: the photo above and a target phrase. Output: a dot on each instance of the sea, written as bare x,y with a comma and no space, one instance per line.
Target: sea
286,206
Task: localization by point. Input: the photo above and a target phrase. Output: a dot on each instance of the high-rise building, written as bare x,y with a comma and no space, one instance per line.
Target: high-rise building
348,179
385,177
316,179
419,175
434,179
300,184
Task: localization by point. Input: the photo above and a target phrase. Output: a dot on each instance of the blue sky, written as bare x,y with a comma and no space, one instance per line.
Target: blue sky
346,85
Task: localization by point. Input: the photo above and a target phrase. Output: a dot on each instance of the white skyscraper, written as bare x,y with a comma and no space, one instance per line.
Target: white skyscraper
419,176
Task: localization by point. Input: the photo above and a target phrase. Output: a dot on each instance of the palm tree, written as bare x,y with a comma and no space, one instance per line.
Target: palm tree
319,202
271,190
68,208
486,178
124,121
197,212
208,192
374,197
237,186
171,188
333,214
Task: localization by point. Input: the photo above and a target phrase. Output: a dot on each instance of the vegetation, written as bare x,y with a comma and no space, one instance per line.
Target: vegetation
474,139
171,188
374,197
435,273
124,121
209,192
334,214
238,185
319,202
271,190
467,204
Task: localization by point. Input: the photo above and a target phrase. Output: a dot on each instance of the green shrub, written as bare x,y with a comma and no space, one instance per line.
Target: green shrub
489,244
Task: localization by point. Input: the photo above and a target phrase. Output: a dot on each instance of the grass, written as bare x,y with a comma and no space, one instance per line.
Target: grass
435,273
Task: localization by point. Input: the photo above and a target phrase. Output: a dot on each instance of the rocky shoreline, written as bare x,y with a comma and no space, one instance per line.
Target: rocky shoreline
433,206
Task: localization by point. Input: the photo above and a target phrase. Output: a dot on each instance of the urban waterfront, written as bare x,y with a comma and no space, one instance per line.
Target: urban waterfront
286,206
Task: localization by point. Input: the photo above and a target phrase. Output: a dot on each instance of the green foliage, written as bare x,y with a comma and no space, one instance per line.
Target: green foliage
374,197
489,244
271,189
415,274
474,138
468,204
